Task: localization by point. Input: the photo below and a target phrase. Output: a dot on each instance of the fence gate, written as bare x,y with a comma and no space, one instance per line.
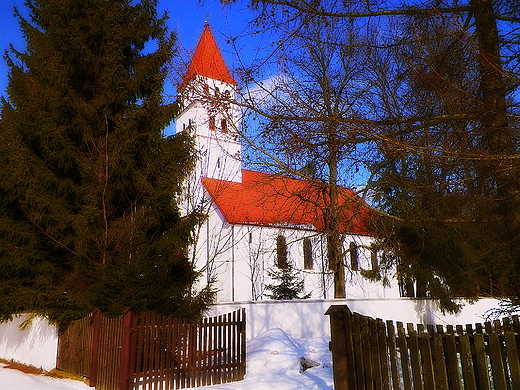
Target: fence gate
154,352
371,354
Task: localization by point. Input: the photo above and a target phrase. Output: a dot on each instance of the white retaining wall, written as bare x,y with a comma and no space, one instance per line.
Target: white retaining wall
36,346
305,318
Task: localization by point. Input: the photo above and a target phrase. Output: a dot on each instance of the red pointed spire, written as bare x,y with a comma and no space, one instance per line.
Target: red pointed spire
208,61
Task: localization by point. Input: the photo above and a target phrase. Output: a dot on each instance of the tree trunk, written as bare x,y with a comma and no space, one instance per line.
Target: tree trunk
334,242
497,132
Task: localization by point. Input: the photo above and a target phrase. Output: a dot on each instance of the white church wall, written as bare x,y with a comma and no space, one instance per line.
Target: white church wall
238,258
212,254
358,286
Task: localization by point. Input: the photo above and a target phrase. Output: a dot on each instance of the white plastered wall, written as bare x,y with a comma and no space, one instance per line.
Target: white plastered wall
237,259
37,345
306,318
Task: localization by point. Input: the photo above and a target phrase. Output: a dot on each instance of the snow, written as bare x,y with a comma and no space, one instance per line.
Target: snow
16,380
274,362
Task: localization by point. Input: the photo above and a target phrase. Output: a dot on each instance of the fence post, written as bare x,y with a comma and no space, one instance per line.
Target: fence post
94,354
337,346
243,337
126,348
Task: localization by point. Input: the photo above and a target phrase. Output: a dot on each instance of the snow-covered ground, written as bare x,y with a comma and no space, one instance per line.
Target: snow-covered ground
16,380
275,361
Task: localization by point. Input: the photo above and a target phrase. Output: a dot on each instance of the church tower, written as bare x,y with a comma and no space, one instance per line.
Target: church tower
206,96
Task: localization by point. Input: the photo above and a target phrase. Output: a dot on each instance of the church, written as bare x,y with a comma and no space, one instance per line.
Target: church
257,223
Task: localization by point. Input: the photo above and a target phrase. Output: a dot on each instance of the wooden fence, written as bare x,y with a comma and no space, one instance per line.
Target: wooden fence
371,354
152,352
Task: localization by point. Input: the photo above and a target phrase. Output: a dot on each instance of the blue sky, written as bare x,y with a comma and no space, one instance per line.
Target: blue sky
187,19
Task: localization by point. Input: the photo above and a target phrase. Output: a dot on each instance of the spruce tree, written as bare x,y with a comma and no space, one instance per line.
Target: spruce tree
88,183
286,284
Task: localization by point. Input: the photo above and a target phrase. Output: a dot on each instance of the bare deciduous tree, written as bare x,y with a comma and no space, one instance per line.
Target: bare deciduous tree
425,94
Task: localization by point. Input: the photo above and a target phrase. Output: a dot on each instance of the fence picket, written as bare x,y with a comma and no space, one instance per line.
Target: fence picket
467,363
497,364
366,342
512,357
403,353
97,319
374,355
482,363
243,344
427,359
349,359
358,353
228,349
383,354
392,352
452,360
415,359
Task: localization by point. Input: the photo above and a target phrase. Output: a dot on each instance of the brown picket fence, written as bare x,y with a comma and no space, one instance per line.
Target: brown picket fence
372,354
151,352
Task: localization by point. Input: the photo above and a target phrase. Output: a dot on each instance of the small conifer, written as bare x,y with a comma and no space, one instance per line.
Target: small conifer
286,284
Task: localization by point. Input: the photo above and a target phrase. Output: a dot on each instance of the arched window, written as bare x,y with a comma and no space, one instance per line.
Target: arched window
223,125
308,261
354,263
212,123
281,252
373,259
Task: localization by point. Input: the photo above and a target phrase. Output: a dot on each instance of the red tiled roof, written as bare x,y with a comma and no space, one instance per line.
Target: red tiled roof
207,61
274,200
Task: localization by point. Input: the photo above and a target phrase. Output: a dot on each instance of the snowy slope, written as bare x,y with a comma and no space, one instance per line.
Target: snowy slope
274,362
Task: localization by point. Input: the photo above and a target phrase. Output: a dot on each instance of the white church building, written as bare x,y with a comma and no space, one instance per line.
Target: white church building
257,222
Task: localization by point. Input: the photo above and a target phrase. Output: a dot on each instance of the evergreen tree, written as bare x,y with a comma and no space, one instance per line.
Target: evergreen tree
88,216
286,284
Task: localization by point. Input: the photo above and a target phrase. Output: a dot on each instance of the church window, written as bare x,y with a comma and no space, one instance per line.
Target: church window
217,92
281,252
374,259
307,254
407,288
354,260
212,123
227,94
223,125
